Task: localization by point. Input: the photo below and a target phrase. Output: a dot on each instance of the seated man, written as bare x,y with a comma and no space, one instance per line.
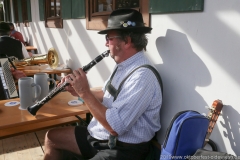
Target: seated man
10,46
122,125
15,34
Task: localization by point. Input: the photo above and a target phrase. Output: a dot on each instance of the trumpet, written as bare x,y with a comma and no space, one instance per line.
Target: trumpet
33,109
51,58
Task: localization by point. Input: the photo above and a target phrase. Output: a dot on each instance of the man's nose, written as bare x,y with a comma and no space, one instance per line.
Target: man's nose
106,44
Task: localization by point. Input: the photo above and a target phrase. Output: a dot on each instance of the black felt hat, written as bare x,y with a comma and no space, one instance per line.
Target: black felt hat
126,19
4,27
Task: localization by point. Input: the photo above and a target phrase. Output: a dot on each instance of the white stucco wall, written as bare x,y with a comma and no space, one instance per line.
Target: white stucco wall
197,55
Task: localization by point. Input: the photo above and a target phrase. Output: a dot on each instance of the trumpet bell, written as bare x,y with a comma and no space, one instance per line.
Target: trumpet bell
51,58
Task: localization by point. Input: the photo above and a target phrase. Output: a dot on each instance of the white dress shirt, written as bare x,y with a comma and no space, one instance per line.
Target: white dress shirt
135,114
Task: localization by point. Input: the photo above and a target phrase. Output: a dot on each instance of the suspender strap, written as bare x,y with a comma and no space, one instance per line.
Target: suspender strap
109,86
115,92
147,66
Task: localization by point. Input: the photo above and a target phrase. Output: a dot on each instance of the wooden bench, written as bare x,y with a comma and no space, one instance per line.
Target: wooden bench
22,129
31,48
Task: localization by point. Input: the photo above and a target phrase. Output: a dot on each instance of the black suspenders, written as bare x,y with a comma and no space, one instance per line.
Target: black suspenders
114,92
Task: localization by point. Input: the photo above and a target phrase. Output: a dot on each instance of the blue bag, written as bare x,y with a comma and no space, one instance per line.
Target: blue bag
186,134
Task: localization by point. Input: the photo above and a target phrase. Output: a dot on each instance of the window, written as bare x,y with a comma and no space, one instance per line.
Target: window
53,14
22,12
54,8
62,9
26,12
99,10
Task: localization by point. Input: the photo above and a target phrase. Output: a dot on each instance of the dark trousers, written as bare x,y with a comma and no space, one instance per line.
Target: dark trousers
94,149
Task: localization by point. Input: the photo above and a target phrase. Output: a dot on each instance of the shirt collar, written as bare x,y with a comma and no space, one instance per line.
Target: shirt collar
130,60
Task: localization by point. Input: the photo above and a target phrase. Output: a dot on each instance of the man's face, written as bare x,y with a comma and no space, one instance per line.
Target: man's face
11,28
115,45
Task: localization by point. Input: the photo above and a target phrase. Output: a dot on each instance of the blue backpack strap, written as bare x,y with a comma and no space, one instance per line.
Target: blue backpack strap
146,66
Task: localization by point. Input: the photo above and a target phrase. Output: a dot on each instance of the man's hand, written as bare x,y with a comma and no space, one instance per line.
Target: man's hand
79,82
17,74
68,88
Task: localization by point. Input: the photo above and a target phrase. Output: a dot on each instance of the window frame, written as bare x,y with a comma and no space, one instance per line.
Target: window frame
52,21
98,20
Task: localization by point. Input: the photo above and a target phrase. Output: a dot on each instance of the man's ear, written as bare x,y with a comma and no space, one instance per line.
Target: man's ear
128,42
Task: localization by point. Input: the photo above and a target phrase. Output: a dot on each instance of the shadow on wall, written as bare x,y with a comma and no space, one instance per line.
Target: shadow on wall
182,71
231,127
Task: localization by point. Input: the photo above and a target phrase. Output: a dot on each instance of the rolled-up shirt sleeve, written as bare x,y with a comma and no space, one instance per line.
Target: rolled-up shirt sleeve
24,51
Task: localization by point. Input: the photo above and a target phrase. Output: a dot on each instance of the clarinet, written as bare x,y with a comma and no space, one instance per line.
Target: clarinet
34,108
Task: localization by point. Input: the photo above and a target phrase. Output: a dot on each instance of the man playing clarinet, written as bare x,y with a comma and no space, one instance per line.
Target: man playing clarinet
126,113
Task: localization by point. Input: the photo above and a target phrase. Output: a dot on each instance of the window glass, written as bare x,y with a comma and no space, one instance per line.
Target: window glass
58,8
127,4
110,5
54,8
104,5
53,14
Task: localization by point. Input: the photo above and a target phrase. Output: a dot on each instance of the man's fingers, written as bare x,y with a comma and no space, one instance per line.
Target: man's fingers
12,69
81,71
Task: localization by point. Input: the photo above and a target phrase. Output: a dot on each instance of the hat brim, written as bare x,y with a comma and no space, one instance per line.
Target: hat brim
134,29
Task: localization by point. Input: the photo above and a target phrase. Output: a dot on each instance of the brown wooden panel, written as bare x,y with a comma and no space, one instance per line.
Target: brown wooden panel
98,20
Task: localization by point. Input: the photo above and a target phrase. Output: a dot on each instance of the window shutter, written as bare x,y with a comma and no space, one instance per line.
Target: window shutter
78,9
66,6
8,9
171,6
41,5
29,11
15,11
19,4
